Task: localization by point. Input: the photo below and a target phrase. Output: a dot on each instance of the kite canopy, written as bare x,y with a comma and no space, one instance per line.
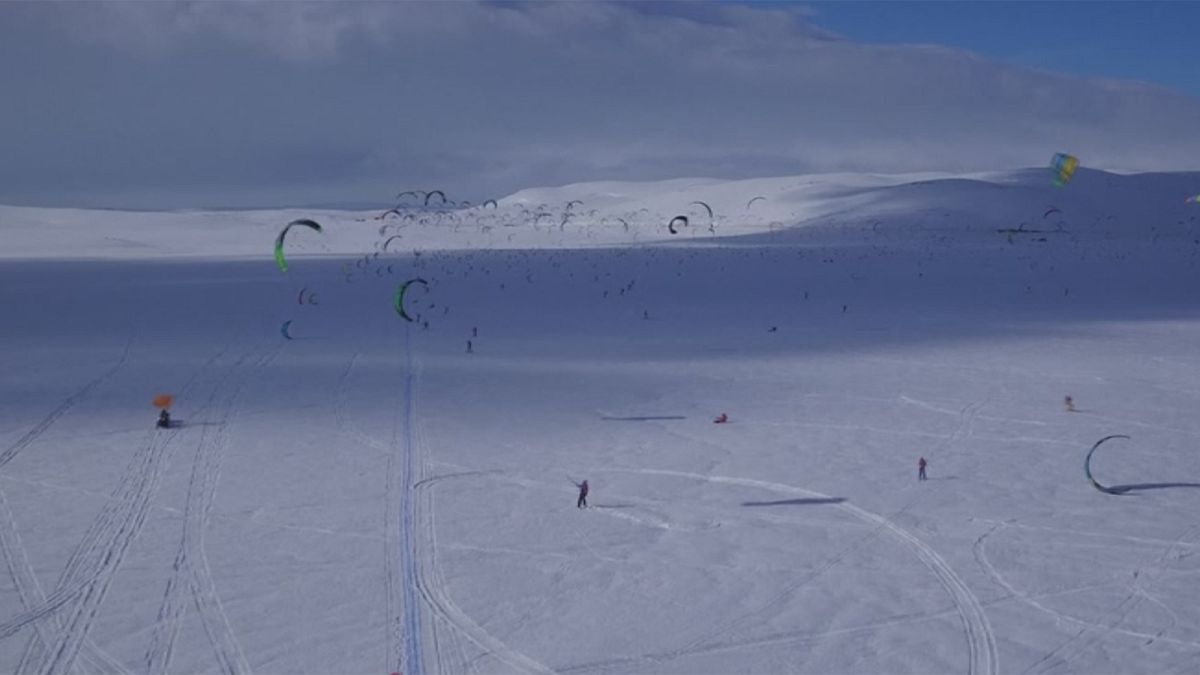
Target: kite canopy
1052,209
400,293
285,329
1087,466
754,200
682,221
1064,166
1192,199
164,401
279,259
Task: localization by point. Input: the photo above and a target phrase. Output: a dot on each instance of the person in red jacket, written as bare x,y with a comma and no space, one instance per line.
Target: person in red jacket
921,469
583,490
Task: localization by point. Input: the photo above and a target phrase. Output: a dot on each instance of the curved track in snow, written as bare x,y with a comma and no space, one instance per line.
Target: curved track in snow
982,657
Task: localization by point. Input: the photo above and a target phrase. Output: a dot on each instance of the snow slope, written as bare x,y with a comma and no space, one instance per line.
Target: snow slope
370,497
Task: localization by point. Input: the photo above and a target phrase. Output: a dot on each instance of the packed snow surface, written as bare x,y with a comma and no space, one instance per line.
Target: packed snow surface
377,496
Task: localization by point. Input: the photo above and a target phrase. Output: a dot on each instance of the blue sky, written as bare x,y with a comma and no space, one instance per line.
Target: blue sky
227,104
1150,41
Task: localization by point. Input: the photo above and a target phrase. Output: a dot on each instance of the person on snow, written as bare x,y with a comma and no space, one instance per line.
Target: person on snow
721,419
921,468
1069,403
583,490
164,419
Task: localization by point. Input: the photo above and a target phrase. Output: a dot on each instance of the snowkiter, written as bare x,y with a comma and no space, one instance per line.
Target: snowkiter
721,419
583,490
921,469
164,419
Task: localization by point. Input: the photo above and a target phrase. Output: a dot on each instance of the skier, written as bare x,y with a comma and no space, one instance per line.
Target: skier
921,468
583,490
1069,403
164,419
721,419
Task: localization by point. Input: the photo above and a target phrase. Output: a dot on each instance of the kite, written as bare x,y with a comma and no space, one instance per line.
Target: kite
754,200
490,201
401,291
1064,166
682,220
283,330
435,192
164,401
388,241
1087,467
279,259
1192,200
1052,209
711,221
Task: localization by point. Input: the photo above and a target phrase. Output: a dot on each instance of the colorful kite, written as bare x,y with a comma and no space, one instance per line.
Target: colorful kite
279,240
1064,166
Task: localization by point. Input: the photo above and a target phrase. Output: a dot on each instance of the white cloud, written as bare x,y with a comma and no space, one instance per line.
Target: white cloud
490,98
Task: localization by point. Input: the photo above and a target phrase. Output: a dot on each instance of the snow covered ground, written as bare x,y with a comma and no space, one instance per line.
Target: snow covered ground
369,497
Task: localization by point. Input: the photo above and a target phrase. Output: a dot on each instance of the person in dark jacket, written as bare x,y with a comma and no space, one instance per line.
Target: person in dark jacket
164,419
583,490
921,469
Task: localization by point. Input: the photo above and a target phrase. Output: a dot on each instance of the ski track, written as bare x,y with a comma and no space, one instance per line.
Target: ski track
24,578
429,581
1059,617
134,507
403,439
394,618
103,546
190,568
981,646
1078,643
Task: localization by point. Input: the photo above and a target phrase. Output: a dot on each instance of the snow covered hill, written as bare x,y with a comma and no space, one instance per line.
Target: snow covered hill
375,495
